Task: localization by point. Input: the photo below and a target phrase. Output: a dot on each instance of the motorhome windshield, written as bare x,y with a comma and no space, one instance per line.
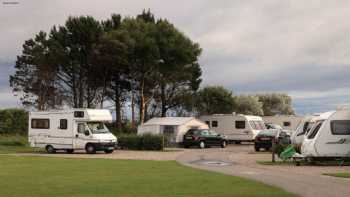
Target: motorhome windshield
257,125
97,127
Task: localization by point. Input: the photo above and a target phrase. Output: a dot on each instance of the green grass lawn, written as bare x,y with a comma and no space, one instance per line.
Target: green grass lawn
15,144
43,176
340,174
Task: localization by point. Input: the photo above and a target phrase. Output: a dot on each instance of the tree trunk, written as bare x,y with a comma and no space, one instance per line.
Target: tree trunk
133,125
142,104
163,100
118,109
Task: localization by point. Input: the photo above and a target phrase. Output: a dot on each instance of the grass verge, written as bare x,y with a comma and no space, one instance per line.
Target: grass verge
42,176
339,174
277,163
15,144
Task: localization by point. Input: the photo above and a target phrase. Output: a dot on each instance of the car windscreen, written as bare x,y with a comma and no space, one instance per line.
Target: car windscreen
97,127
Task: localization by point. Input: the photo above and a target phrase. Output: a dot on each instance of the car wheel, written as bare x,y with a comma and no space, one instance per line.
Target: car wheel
257,149
186,146
90,149
70,151
201,144
109,151
50,149
223,144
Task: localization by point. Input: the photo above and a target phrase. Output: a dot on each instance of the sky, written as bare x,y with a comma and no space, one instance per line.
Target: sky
253,46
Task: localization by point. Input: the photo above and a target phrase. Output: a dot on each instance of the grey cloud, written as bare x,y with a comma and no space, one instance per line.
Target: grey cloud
249,46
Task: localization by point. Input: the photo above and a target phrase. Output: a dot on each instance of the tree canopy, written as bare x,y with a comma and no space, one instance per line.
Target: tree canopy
86,62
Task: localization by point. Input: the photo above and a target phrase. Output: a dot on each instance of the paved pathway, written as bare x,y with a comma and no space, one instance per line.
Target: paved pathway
240,161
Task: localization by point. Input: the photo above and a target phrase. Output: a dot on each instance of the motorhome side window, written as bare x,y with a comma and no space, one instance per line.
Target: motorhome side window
214,123
240,124
79,114
63,123
40,123
314,132
340,127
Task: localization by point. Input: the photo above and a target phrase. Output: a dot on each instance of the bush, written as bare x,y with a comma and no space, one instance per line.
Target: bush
13,140
141,142
13,121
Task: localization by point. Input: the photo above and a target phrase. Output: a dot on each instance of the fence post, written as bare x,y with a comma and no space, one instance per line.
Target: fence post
273,150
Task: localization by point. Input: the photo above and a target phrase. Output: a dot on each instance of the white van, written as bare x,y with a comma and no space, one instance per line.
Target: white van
71,130
236,127
329,137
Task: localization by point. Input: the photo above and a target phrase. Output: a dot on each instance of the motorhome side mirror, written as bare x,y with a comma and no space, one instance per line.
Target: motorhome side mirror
86,132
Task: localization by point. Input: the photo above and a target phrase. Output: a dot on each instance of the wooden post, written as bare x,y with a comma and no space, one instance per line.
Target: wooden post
273,150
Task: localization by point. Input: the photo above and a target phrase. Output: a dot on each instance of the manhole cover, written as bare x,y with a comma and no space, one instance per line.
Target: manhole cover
217,163
213,163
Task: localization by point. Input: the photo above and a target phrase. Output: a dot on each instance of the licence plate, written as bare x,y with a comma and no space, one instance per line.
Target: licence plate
265,138
110,148
189,137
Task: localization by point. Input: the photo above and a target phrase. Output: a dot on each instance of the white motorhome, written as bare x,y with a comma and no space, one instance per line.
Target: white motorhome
71,130
329,137
236,127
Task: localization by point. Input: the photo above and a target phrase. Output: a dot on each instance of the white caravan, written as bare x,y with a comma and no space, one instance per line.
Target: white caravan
329,137
173,128
236,127
71,130
287,122
305,125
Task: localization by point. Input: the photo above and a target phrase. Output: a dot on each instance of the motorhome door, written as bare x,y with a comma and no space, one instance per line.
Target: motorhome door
82,135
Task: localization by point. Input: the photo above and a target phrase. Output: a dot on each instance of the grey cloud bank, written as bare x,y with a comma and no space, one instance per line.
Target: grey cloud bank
297,47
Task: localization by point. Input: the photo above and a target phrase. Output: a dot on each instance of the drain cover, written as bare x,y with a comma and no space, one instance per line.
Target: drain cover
213,163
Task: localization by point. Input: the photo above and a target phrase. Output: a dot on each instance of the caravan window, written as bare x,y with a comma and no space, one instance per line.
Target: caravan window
63,123
40,123
214,123
240,124
257,125
286,124
340,127
314,131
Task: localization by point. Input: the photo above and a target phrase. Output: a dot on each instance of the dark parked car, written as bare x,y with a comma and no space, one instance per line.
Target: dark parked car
203,138
264,138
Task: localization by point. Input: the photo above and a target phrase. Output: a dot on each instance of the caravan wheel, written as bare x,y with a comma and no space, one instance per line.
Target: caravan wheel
50,149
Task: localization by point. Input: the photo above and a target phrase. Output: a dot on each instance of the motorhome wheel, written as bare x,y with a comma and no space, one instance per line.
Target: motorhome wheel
50,149
90,149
